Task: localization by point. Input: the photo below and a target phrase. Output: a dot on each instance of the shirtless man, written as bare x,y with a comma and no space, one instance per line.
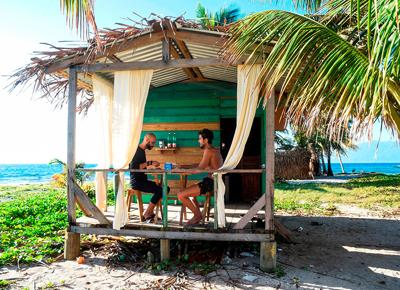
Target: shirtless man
212,159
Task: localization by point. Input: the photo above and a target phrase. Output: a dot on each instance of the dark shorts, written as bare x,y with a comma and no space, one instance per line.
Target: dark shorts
150,187
206,185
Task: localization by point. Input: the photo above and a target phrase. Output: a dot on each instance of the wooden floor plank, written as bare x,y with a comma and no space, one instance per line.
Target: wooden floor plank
172,234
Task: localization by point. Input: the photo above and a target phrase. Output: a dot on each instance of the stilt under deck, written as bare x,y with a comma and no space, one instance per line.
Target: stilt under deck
252,232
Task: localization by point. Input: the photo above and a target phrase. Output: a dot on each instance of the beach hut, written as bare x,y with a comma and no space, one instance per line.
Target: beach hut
168,77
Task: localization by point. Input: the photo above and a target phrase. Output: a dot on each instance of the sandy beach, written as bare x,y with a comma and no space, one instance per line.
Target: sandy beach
341,252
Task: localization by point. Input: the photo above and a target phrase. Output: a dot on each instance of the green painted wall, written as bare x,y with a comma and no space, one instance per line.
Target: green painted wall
188,102
195,102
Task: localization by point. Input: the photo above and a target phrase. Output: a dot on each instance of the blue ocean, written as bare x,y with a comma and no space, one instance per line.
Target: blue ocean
39,173
29,173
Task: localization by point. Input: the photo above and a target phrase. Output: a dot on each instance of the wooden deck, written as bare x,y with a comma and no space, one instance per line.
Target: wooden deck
86,225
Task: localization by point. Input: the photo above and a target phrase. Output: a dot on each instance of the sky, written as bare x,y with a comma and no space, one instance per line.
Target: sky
32,131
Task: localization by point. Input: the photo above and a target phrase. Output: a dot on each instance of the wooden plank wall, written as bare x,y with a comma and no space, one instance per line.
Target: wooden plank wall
184,109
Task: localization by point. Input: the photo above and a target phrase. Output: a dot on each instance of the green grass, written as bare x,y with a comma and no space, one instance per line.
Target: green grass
375,192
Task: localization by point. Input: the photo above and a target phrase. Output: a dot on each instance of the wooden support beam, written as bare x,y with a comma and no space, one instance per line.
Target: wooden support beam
268,256
215,180
164,200
155,64
174,235
188,71
269,162
114,58
268,248
71,207
182,46
164,249
251,213
283,231
72,245
180,50
181,126
166,50
88,207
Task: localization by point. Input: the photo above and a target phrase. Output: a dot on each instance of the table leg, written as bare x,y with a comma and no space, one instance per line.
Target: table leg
183,181
164,200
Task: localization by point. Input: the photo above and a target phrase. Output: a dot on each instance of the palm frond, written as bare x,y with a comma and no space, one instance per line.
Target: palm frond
377,22
80,14
325,73
310,6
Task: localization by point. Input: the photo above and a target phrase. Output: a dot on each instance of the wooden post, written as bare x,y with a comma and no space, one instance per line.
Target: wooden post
166,50
116,184
268,248
269,162
72,240
164,249
268,256
165,201
71,245
164,243
215,177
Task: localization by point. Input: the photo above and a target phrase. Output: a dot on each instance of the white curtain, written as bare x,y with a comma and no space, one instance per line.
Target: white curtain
103,92
247,101
120,119
130,94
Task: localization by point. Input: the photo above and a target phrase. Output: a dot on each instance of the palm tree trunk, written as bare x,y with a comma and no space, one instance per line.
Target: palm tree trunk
328,157
324,171
314,162
340,161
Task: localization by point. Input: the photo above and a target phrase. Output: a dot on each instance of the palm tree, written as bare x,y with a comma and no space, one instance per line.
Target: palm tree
80,14
341,148
343,63
80,176
222,17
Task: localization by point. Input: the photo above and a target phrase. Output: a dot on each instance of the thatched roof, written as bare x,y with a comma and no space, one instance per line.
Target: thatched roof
138,41
293,164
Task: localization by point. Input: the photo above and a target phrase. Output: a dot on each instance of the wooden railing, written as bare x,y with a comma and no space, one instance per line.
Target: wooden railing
165,174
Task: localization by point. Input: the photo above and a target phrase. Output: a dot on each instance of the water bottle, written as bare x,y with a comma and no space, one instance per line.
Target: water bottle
174,140
169,143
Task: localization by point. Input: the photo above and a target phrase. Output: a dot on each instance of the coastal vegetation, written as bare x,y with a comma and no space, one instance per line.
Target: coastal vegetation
377,192
33,218
60,179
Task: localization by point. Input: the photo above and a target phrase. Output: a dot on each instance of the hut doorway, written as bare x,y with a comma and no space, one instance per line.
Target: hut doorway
242,187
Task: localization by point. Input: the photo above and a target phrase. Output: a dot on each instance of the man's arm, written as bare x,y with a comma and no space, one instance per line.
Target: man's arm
202,165
144,165
137,162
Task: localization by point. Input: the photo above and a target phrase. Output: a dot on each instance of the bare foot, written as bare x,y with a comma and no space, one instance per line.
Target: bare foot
194,220
149,217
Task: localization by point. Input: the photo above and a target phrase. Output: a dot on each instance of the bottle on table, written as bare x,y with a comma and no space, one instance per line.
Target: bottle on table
173,140
169,141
